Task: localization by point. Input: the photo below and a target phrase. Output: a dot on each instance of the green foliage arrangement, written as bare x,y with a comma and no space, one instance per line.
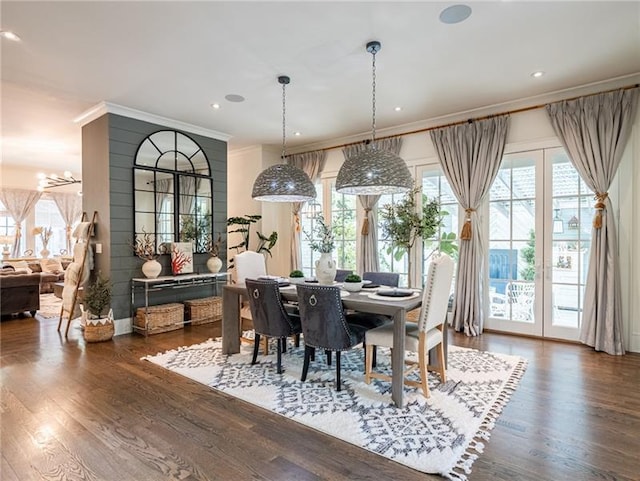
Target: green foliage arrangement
403,223
243,227
324,240
296,273
97,298
353,278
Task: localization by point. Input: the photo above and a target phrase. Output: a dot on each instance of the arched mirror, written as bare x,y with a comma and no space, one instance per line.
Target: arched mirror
173,198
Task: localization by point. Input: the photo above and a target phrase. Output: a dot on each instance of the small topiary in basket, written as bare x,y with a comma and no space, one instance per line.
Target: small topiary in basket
96,301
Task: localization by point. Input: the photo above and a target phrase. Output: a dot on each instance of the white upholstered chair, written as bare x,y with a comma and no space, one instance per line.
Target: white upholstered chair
426,334
249,264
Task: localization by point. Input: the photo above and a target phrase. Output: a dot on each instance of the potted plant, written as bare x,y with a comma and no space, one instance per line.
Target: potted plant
243,226
352,283
403,223
296,277
144,247
99,317
323,241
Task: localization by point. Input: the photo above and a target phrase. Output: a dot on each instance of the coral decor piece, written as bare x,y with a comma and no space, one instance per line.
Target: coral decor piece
182,258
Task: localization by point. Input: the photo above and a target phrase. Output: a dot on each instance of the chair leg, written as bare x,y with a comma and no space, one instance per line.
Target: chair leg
374,358
284,344
280,355
368,355
308,353
256,348
297,340
338,383
328,353
424,373
265,348
443,370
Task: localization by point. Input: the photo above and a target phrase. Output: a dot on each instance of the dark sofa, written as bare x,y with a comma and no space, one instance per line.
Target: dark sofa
19,292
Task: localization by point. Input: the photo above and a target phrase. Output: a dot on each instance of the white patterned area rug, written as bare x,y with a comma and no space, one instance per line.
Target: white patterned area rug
443,434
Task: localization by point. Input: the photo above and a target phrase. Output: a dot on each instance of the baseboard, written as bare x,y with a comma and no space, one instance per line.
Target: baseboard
122,326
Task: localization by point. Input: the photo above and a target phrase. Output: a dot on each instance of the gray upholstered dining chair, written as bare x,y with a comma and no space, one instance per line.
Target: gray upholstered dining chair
427,334
325,325
382,278
270,317
341,274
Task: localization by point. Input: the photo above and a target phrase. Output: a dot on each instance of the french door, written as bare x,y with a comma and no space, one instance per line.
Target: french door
539,239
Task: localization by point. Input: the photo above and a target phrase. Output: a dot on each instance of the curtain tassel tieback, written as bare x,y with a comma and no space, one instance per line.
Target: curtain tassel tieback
296,219
599,207
465,234
365,223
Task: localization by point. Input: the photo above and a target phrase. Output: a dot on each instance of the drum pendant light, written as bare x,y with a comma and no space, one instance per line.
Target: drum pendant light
283,182
374,171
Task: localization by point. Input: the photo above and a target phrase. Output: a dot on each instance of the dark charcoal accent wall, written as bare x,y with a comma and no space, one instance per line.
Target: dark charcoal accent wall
124,137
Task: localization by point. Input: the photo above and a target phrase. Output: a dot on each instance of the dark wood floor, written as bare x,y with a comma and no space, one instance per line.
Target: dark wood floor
72,411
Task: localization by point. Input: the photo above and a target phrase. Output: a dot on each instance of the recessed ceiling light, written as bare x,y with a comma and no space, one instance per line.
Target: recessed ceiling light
398,109
455,14
9,35
537,74
234,98
297,134
215,106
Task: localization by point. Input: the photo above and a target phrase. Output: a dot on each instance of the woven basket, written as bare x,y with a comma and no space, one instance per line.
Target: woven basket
203,311
98,332
160,318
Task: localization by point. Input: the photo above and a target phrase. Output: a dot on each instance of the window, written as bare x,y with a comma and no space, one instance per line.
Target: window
436,186
47,215
391,260
7,227
343,223
308,215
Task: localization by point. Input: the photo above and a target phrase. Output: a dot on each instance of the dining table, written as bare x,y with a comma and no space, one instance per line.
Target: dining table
361,301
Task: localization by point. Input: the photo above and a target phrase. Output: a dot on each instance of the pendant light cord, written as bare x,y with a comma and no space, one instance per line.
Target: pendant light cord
284,111
373,96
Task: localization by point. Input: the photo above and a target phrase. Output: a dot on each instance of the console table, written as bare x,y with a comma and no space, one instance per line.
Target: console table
163,283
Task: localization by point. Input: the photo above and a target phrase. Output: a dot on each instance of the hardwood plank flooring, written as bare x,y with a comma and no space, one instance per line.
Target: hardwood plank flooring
76,411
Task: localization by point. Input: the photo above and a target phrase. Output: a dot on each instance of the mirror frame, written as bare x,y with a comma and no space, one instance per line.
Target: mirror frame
173,155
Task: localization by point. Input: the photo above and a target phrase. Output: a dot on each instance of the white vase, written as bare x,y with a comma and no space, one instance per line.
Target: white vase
151,268
325,269
44,253
214,264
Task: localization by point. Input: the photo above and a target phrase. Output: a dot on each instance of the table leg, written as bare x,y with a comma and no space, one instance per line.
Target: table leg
397,358
230,321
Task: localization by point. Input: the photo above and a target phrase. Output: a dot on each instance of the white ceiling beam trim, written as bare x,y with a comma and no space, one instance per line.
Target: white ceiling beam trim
109,108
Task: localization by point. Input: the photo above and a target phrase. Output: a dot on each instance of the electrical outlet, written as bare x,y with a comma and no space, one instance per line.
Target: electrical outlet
98,248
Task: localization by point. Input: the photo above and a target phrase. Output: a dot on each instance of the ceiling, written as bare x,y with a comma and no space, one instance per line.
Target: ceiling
174,59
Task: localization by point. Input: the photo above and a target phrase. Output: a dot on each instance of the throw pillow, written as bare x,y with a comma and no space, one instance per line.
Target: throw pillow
22,266
51,266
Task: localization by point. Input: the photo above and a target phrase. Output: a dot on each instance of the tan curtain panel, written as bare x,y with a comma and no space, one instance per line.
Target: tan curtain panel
311,163
70,207
19,203
594,131
470,155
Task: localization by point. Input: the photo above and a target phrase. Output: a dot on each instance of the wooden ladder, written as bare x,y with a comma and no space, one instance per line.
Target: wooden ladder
77,285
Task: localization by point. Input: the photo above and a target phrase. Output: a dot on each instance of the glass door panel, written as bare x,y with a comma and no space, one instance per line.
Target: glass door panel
514,253
569,240
539,239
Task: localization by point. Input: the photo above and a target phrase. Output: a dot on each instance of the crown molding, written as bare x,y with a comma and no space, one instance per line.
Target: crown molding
108,108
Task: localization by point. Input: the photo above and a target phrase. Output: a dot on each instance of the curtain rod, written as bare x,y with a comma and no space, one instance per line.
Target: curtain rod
460,122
